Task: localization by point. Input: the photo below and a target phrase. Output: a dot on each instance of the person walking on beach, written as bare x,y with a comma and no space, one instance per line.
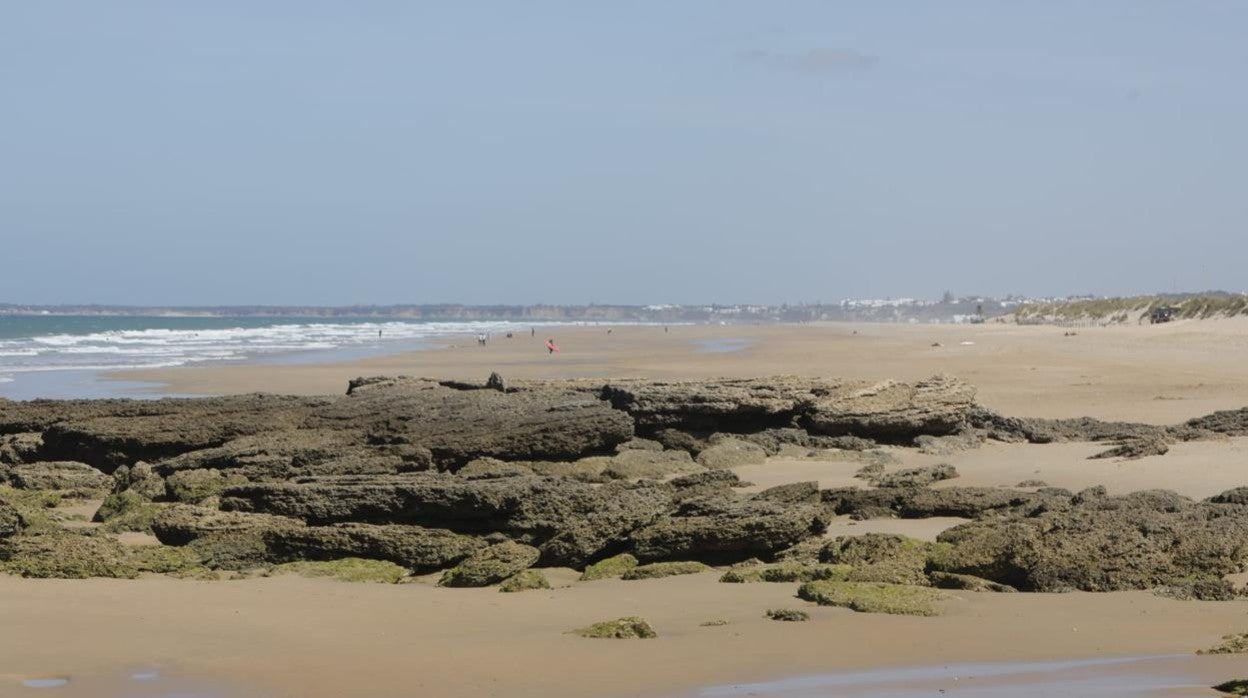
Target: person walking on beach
551,347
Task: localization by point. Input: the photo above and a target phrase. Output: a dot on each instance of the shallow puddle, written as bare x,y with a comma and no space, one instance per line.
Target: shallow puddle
1093,678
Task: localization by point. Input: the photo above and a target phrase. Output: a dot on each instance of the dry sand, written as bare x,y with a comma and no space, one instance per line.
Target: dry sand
296,637
1145,373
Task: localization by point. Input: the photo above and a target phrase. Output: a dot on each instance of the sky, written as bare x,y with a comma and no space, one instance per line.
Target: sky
326,153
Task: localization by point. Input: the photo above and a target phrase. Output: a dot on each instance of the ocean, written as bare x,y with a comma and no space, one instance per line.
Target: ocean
60,356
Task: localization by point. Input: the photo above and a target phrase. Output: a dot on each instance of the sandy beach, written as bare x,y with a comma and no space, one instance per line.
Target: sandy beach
289,636
1158,374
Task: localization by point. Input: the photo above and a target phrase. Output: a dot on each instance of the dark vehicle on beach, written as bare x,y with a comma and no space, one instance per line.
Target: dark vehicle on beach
1164,313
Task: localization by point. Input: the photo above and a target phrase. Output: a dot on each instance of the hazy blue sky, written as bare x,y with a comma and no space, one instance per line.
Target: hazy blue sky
637,152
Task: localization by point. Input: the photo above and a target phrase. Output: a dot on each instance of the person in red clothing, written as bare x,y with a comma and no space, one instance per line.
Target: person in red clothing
551,347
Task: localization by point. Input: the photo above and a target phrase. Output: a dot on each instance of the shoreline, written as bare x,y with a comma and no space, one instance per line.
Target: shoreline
1154,374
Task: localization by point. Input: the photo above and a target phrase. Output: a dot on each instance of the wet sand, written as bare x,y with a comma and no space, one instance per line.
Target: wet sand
289,636
298,637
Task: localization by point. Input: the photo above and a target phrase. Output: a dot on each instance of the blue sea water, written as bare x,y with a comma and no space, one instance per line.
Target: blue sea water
56,356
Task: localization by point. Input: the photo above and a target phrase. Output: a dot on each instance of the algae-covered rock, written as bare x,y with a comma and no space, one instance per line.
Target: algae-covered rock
718,622
787,614
785,572
966,582
656,570
639,444
491,565
729,531
655,465
11,520
525,581
613,566
1198,588
415,547
348,569
1235,643
118,504
874,597
77,479
915,477
194,486
490,468
880,557
165,559
141,479
1103,543
66,555
127,511
731,453
625,628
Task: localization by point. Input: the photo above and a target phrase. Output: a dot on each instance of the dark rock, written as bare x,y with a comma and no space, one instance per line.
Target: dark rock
571,521
417,548
1101,543
916,477
11,520
965,582
460,425
892,410
496,382
739,531
78,479
20,448
490,468
791,493
491,565
156,429
1136,448
654,465
731,453
194,486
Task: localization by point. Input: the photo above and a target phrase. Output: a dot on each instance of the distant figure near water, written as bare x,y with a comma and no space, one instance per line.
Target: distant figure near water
551,347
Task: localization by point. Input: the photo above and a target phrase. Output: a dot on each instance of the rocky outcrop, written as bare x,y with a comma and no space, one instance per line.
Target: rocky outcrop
236,540
157,429
894,411
78,479
1101,543
886,411
729,532
570,521
460,425
491,565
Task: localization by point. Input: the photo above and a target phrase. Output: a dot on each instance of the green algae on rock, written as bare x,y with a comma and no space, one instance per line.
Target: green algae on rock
625,628
788,614
66,555
525,580
874,597
656,570
491,565
347,569
785,572
608,568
